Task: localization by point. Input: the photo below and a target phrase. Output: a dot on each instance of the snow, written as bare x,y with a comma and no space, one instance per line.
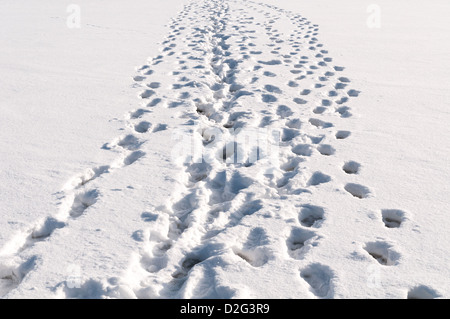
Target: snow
224,149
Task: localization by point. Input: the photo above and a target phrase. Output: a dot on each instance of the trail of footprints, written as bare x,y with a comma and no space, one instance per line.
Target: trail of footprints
226,61
223,77
75,199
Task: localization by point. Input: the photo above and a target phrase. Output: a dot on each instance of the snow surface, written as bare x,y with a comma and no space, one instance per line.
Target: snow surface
225,149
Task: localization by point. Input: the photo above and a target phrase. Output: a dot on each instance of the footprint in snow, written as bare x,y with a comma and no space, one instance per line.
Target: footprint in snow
344,111
319,110
340,86
422,292
294,123
154,85
83,201
269,74
318,178
284,111
139,78
302,149
291,164
382,252
142,127
326,102
319,123
46,229
320,279
289,134
292,84
358,190
133,157
300,241
154,102
271,62
326,149
344,79
340,135
268,98
393,218
253,250
305,92
137,113
311,216
272,89
342,100
353,93
146,94
160,127
351,167
12,276
300,101
130,142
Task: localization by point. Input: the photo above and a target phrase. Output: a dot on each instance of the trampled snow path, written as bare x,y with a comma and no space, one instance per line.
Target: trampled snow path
262,206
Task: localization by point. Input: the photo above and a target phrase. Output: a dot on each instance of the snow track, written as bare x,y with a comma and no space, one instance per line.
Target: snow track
244,219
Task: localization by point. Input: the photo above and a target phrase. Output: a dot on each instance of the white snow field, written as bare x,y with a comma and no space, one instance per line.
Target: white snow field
225,149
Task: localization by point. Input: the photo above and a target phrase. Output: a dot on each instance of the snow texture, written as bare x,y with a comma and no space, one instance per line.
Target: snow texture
245,158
